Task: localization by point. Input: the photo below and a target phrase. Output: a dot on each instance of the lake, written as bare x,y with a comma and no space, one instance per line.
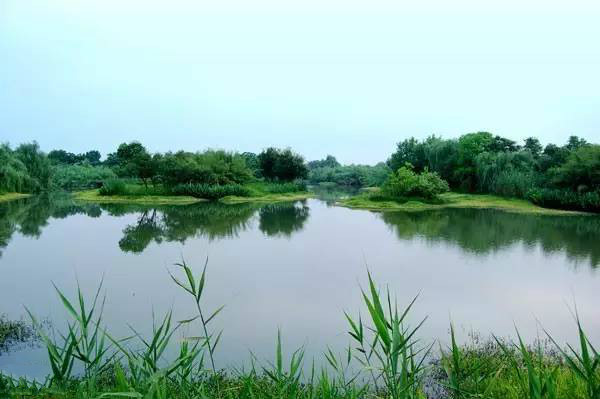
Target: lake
297,267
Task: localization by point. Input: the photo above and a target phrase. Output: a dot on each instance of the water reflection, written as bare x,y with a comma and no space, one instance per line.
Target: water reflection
486,231
473,230
178,223
30,215
156,223
283,219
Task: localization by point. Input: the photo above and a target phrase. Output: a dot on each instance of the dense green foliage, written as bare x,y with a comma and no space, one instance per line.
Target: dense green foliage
329,170
284,165
25,169
211,192
214,167
405,183
481,162
68,158
80,176
385,359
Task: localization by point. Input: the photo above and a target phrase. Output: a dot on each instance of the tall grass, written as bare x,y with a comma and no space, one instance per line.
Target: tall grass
385,359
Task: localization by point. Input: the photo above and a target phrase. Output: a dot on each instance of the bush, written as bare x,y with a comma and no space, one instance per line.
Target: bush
565,199
77,177
114,187
350,175
211,192
406,183
206,168
279,188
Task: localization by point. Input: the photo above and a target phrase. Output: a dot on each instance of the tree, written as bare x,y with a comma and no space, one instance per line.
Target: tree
251,162
131,160
469,147
328,162
574,143
93,157
533,145
408,151
37,163
581,171
285,165
502,144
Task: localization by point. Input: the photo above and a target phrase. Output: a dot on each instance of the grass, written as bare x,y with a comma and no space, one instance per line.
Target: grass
94,196
385,359
260,192
264,192
372,201
12,196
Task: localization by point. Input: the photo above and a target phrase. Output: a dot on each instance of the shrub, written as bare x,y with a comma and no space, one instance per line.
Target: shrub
209,167
211,192
278,188
406,183
114,187
565,199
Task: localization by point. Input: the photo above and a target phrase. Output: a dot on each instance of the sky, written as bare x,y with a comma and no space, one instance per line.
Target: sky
342,77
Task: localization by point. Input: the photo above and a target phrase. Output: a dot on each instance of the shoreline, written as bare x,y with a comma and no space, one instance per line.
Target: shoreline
94,196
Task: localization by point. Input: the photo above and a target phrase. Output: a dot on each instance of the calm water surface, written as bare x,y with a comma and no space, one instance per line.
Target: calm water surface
297,267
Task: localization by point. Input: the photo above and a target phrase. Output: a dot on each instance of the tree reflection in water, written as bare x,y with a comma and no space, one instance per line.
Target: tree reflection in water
484,231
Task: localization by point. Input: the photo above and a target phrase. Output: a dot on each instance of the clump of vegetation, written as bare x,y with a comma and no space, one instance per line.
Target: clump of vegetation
114,187
406,183
565,199
329,170
283,165
483,163
24,170
211,192
279,188
81,176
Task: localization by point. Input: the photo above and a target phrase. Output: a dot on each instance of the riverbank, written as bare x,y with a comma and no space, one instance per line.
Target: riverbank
12,196
373,202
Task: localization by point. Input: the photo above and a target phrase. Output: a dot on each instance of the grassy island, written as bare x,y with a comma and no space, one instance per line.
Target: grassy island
371,201
262,192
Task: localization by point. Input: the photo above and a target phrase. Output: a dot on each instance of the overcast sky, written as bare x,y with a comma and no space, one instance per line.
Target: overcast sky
340,77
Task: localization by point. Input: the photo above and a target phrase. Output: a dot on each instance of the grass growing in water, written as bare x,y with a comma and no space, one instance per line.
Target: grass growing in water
385,360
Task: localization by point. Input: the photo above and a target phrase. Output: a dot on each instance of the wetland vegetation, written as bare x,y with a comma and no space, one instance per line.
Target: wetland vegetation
385,358
418,172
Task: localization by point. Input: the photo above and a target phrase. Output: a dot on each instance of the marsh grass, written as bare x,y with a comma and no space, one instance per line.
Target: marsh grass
385,359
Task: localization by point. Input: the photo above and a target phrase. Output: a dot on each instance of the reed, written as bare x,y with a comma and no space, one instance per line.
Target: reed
385,359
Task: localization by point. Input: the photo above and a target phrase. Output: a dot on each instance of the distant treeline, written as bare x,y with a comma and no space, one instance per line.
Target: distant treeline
26,169
565,176
555,176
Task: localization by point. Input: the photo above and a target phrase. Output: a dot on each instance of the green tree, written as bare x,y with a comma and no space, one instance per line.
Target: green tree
469,147
405,182
284,165
408,151
581,171
37,163
533,145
